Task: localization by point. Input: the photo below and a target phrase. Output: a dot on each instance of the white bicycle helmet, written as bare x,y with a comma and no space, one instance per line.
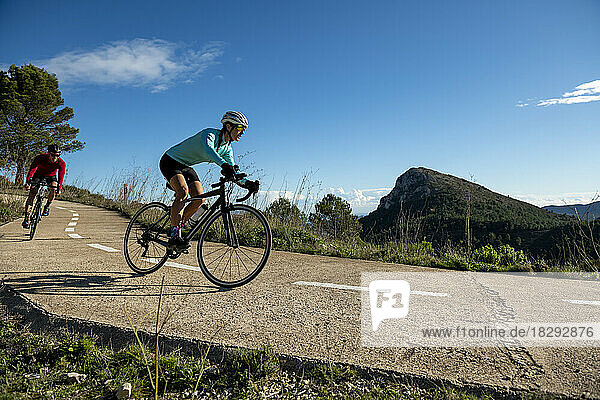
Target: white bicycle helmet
235,117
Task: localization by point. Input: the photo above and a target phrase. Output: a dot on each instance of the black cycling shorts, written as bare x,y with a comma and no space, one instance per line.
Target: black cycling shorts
52,181
170,167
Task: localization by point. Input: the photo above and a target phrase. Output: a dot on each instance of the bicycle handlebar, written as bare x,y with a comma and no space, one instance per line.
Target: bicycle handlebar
245,197
222,180
40,183
235,179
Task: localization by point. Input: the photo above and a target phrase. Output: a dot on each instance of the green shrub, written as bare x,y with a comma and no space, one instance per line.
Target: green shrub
510,257
506,258
295,238
486,254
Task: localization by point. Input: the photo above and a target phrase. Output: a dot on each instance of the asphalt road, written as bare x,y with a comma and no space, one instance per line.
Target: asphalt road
311,306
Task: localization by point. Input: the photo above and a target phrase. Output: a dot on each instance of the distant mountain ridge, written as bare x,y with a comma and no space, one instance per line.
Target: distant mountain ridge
585,211
432,205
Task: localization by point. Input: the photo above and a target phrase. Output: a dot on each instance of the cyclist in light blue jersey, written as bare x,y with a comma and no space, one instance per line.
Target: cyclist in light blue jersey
208,145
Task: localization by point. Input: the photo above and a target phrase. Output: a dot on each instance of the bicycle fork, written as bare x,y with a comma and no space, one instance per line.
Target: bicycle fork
230,234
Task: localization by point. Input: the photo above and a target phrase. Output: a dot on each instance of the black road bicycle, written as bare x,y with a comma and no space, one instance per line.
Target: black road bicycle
36,211
234,245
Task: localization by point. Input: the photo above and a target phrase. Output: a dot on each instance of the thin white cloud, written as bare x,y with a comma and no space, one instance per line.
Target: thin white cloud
272,195
153,63
558,199
362,201
584,93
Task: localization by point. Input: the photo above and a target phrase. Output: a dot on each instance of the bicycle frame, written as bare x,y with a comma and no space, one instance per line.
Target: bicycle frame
36,210
221,203
41,191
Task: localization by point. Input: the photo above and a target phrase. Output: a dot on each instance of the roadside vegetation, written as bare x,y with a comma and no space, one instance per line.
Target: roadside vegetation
332,230
11,201
72,366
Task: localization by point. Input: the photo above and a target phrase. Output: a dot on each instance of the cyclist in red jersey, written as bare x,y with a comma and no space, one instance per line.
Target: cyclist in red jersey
44,167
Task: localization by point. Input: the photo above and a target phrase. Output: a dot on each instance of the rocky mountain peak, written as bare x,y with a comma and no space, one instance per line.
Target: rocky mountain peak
416,183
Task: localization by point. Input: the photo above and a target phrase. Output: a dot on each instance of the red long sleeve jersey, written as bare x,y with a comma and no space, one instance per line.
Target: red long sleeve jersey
45,167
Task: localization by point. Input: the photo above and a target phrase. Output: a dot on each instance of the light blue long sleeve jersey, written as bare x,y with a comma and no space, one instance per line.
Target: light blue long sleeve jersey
204,146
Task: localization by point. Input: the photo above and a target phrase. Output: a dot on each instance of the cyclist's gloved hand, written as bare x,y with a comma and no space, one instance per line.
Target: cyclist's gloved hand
236,167
252,186
228,171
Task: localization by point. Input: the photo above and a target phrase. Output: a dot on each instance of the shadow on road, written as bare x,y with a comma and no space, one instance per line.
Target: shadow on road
15,237
55,238
72,283
25,238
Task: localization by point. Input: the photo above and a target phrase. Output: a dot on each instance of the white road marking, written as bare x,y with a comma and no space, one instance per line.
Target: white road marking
363,289
73,211
105,248
586,302
331,285
60,208
75,215
69,229
72,224
173,264
75,219
75,236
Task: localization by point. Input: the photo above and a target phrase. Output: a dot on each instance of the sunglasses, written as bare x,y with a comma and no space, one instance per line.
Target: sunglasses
240,128
55,154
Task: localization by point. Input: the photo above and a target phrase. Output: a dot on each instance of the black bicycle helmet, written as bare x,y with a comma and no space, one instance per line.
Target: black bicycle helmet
53,148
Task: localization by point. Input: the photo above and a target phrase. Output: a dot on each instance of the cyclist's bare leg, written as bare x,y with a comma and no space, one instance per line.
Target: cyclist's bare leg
30,199
180,187
51,192
195,189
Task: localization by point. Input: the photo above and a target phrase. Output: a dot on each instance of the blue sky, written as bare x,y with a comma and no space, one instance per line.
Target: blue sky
506,93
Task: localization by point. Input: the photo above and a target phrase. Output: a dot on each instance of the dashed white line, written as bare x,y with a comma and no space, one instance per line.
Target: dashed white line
364,289
173,264
585,302
60,208
105,248
72,224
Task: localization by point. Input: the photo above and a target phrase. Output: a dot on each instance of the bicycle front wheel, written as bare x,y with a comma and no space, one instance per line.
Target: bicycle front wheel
146,237
234,246
36,216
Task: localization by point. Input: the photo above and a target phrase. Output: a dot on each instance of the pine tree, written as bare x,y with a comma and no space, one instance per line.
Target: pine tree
30,119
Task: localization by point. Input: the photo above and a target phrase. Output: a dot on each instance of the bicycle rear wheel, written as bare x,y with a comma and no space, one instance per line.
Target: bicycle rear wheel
146,237
36,216
234,246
